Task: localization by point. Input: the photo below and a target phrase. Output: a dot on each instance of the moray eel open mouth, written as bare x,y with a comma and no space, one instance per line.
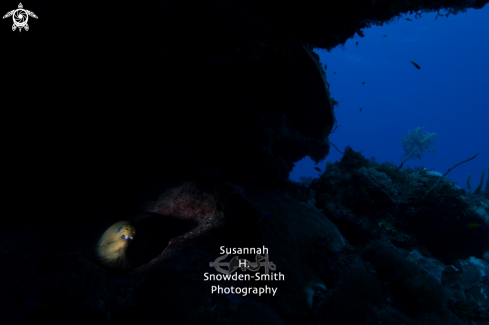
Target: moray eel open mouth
120,246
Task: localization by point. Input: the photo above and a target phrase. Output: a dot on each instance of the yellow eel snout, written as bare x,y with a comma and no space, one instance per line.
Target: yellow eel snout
120,248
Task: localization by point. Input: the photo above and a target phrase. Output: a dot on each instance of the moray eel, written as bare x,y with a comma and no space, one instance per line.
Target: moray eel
121,246
128,244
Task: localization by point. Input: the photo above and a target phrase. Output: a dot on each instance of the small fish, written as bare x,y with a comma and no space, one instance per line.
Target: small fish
384,35
334,72
360,109
357,43
325,67
363,83
473,225
409,19
317,168
416,65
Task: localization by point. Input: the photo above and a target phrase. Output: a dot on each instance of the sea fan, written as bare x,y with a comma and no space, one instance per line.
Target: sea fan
417,142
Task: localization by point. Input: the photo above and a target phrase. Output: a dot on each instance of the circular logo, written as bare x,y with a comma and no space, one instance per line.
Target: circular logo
20,17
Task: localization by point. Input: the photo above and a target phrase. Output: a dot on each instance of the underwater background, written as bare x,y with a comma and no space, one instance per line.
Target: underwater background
136,148
448,96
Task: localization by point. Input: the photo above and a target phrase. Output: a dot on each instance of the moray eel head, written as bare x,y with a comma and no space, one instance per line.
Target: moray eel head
120,246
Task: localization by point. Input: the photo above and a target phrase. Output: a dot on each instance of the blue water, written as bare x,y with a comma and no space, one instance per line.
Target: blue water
449,95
